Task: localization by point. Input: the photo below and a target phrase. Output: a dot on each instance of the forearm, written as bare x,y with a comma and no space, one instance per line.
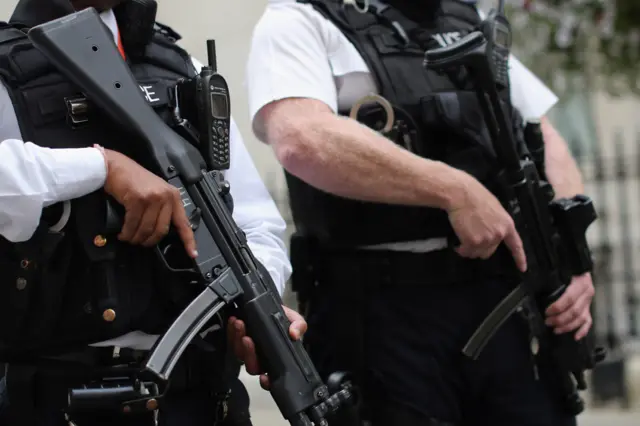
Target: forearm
345,158
561,168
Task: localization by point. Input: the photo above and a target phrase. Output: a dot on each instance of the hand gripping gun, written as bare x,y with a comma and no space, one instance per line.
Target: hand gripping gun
552,231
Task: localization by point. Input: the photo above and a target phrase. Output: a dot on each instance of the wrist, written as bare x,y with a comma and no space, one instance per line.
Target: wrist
454,188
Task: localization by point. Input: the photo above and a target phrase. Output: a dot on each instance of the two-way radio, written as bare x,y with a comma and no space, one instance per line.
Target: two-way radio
497,32
202,112
214,109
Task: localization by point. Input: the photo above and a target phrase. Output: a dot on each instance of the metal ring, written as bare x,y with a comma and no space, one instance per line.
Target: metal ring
380,101
364,9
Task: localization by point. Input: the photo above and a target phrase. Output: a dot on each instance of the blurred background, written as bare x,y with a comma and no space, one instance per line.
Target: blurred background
587,51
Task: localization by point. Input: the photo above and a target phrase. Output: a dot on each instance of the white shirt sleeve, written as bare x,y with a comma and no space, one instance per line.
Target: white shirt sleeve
256,213
528,94
254,210
289,57
32,177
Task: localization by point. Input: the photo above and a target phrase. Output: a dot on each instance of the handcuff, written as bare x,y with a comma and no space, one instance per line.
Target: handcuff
385,104
354,3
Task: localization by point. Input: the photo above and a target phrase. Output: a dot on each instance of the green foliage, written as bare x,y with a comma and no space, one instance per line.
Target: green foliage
580,44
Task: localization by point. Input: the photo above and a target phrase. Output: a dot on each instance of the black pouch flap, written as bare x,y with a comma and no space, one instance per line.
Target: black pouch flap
90,218
29,268
46,102
28,63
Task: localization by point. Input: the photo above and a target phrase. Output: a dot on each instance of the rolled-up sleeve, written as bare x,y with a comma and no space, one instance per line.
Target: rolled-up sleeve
289,58
256,213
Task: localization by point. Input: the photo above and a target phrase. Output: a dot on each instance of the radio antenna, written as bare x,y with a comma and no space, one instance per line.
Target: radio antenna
211,53
501,7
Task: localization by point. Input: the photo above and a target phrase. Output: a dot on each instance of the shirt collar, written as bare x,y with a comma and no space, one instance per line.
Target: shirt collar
109,19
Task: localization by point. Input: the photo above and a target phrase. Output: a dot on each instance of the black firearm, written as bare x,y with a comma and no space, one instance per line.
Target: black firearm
552,231
82,48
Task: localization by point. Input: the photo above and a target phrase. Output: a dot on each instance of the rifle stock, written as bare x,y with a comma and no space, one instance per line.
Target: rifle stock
82,48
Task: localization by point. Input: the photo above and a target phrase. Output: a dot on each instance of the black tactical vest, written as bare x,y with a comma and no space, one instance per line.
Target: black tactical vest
57,288
437,117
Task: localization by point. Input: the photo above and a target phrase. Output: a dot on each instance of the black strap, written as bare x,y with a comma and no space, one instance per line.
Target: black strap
167,32
10,33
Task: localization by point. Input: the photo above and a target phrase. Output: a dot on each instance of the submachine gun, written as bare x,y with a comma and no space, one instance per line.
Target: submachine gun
82,48
553,231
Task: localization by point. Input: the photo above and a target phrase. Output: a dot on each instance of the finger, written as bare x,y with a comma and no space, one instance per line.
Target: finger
297,329
568,299
298,324
238,345
231,331
574,311
181,222
162,226
489,251
578,322
467,251
132,219
264,382
147,224
514,243
584,330
250,357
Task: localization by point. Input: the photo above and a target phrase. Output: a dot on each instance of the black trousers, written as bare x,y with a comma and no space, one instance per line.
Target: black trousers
405,332
195,398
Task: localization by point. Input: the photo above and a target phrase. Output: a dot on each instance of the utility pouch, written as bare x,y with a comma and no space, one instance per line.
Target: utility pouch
34,275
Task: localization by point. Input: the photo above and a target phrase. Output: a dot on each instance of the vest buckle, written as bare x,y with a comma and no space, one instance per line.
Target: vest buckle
78,109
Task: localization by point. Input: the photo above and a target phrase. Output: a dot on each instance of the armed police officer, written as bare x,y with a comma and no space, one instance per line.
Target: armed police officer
79,296
384,159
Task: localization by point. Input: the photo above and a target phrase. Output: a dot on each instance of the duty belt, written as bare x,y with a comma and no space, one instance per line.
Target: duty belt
393,268
56,374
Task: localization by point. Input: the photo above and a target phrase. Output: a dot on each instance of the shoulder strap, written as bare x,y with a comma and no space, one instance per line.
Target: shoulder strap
167,32
166,53
10,33
20,61
463,10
